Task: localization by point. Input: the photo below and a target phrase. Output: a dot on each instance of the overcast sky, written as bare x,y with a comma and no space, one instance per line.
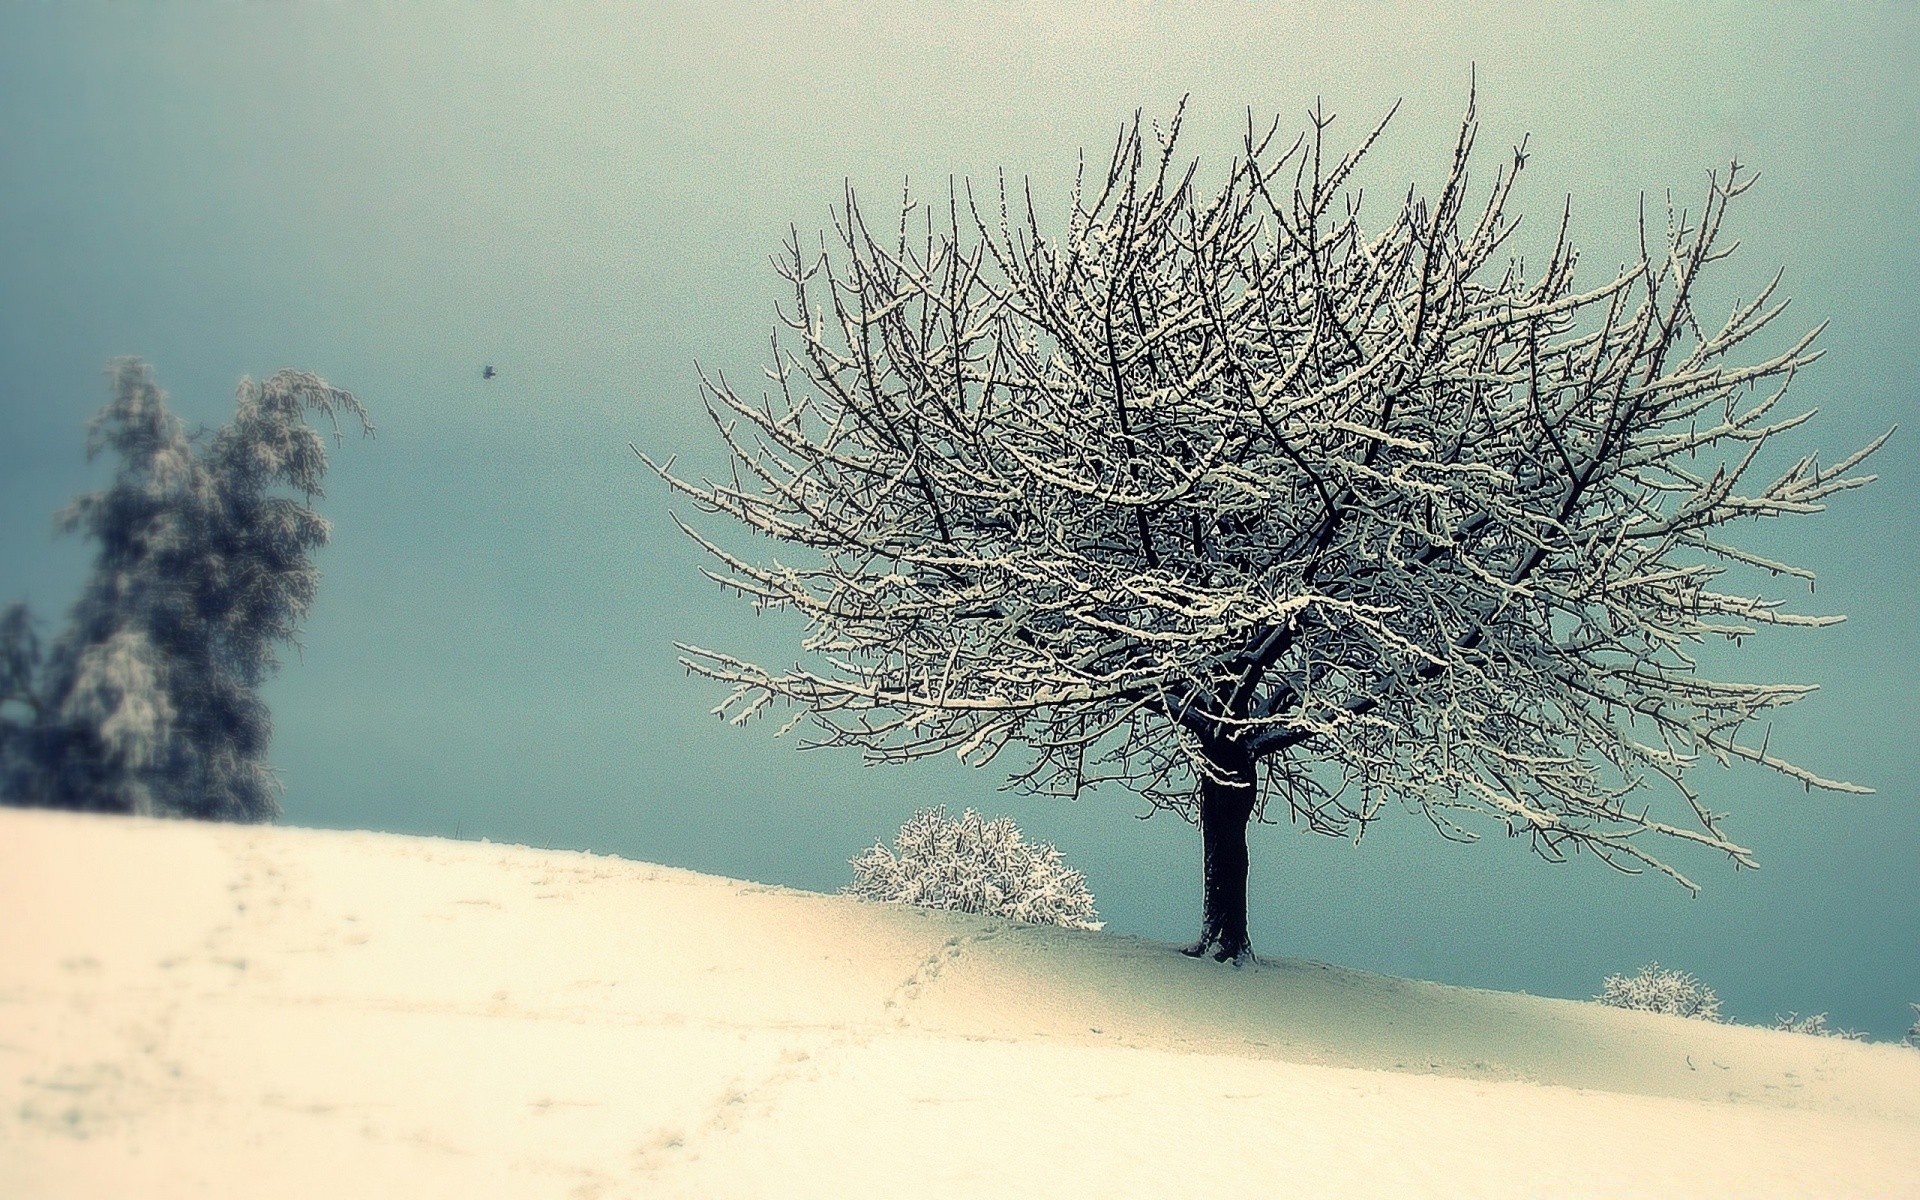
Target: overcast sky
586,197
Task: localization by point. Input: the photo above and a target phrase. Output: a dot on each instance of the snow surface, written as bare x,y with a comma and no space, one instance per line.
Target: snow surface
196,1010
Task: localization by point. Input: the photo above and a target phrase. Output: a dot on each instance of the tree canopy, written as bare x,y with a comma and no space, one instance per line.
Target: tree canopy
1226,497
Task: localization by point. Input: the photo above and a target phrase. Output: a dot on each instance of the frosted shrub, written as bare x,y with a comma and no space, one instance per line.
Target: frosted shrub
974,865
1653,990
1815,1026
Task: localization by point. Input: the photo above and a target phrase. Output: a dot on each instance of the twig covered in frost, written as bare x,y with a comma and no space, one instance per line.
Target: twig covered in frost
1815,1026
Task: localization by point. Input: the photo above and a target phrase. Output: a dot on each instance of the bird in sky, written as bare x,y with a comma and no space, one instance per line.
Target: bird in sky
487,372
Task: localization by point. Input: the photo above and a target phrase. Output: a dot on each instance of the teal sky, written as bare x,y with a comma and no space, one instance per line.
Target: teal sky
586,196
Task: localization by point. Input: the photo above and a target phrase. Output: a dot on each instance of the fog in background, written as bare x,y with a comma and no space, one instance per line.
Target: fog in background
586,197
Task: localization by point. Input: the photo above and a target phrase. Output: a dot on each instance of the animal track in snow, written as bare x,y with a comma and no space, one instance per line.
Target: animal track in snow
932,968
741,1101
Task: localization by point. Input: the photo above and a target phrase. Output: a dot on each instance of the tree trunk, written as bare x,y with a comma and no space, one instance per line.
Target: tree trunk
1226,805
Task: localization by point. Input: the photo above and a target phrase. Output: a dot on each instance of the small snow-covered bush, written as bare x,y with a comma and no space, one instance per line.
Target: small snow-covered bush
1653,990
974,865
1816,1025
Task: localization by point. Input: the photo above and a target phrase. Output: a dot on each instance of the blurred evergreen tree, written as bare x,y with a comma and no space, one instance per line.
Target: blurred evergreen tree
149,701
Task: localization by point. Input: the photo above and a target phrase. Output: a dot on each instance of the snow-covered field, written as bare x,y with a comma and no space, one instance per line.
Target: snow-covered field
190,1010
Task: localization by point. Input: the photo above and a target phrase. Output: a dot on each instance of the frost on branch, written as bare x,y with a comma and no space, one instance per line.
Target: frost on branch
1675,993
974,865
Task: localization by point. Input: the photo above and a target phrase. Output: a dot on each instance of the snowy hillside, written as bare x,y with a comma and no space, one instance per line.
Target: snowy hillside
191,1010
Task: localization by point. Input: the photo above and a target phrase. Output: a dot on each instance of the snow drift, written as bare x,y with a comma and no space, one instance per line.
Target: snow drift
195,1010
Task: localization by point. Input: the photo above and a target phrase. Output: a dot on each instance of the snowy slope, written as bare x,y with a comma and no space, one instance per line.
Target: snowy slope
193,1010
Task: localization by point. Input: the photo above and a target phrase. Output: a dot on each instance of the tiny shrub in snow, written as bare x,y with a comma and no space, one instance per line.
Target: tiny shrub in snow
1654,990
974,865
1816,1025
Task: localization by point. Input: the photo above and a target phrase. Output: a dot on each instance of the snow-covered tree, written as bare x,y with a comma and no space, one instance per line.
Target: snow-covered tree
974,865
149,701
1221,495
